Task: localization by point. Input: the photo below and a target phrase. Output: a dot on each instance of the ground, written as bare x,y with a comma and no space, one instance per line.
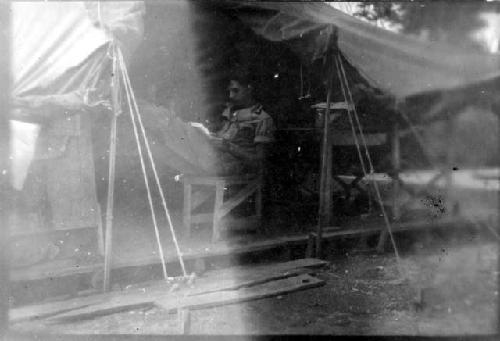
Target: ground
445,286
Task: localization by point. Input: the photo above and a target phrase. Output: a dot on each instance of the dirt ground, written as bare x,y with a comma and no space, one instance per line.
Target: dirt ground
441,287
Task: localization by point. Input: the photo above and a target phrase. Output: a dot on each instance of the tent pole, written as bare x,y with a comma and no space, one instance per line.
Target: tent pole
108,241
495,108
109,205
450,162
326,173
325,190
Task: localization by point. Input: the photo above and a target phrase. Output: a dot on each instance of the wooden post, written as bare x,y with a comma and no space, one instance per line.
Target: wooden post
100,231
108,244
184,315
329,178
396,167
108,254
186,214
325,178
310,245
450,163
219,198
5,184
258,201
325,191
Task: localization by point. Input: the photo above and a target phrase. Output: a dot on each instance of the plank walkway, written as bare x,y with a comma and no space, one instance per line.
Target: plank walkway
71,267
234,278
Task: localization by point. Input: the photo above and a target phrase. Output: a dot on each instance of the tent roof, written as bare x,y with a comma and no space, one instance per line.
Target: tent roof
54,40
399,64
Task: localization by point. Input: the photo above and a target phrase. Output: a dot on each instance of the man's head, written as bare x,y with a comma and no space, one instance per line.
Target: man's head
240,90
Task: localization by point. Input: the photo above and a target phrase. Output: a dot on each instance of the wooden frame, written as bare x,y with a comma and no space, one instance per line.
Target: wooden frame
252,185
398,184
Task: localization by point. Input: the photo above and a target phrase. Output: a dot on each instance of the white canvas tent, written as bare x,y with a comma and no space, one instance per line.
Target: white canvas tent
69,57
65,65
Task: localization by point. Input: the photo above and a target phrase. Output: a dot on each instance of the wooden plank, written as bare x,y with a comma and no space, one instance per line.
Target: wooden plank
217,280
40,311
270,289
194,299
177,301
71,267
236,277
239,197
212,180
344,138
57,268
21,233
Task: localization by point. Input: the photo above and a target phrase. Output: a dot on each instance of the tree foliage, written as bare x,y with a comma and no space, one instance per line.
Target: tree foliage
452,22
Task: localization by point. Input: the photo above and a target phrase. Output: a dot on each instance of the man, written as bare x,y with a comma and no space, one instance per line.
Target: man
247,129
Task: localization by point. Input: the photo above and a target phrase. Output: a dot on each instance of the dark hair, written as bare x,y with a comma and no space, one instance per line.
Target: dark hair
242,76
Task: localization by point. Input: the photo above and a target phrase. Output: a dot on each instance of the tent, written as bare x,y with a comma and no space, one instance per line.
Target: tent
57,69
67,67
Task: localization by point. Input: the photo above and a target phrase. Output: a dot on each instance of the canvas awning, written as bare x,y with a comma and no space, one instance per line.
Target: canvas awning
58,47
399,64
61,47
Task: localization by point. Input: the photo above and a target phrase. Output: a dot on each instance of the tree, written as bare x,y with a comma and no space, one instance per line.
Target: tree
454,23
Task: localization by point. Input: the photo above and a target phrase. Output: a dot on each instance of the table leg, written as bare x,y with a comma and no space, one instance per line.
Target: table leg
187,209
219,197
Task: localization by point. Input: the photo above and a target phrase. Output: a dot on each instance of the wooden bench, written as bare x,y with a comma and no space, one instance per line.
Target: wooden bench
252,185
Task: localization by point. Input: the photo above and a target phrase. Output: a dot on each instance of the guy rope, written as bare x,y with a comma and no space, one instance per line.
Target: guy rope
120,69
351,111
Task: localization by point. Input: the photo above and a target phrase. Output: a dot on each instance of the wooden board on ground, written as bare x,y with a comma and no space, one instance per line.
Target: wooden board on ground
144,296
244,276
178,300
269,289
175,301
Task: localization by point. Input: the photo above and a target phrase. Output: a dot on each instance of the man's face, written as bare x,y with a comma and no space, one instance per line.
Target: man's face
239,94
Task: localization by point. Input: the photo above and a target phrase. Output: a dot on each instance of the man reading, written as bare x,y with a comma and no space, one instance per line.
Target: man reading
246,131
